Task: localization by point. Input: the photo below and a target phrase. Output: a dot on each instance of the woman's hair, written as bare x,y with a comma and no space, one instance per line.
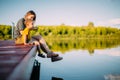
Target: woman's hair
31,12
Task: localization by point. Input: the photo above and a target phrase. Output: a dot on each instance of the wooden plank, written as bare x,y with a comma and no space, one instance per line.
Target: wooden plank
24,69
16,61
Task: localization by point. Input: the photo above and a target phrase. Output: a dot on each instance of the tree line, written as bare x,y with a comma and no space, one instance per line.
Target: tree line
5,32
66,31
89,31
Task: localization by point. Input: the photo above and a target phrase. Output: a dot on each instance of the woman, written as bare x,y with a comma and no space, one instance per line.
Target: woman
37,40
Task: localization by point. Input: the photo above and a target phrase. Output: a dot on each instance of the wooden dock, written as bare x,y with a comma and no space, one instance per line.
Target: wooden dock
16,61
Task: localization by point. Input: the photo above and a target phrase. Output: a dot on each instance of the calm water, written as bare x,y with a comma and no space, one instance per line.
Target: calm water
88,63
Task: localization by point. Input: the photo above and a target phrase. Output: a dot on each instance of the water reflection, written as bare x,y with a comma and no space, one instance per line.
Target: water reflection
83,44
112,77
56,78
36,72
78,64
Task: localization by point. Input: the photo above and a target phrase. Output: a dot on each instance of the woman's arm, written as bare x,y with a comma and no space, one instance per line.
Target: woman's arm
19,28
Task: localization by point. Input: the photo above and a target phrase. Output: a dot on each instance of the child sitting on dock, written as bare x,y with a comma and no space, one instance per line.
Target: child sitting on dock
22,29
23,39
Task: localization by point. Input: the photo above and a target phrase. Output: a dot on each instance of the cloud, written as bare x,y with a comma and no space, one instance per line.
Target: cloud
112,22
110,52
112,77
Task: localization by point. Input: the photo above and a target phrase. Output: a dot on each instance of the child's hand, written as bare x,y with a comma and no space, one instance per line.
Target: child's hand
26,44
21,32
31,43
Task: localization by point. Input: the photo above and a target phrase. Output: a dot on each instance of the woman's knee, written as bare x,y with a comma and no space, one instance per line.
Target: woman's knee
36,43
42,40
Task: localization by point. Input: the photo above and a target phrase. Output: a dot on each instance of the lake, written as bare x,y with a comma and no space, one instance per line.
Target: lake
82,60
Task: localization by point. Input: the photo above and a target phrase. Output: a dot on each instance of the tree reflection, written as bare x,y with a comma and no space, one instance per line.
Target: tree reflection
82,44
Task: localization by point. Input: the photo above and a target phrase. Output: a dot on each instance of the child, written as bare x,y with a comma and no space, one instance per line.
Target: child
22,29
23,39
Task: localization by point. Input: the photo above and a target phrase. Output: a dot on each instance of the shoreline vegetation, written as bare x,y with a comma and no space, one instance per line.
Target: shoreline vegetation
77,32
67,32
65,38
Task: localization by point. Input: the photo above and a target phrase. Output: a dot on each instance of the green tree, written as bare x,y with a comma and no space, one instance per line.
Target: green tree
90,24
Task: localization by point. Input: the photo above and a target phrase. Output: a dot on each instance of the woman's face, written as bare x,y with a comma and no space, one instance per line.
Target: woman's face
30,17
29,23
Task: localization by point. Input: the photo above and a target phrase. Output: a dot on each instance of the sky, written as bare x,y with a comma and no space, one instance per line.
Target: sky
69,12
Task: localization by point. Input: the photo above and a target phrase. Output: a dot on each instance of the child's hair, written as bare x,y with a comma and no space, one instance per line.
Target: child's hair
31,12
28,22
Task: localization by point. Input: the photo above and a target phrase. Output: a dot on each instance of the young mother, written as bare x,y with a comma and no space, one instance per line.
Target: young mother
37,40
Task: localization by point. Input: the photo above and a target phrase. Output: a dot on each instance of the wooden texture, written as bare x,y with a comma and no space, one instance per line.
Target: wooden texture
13,58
